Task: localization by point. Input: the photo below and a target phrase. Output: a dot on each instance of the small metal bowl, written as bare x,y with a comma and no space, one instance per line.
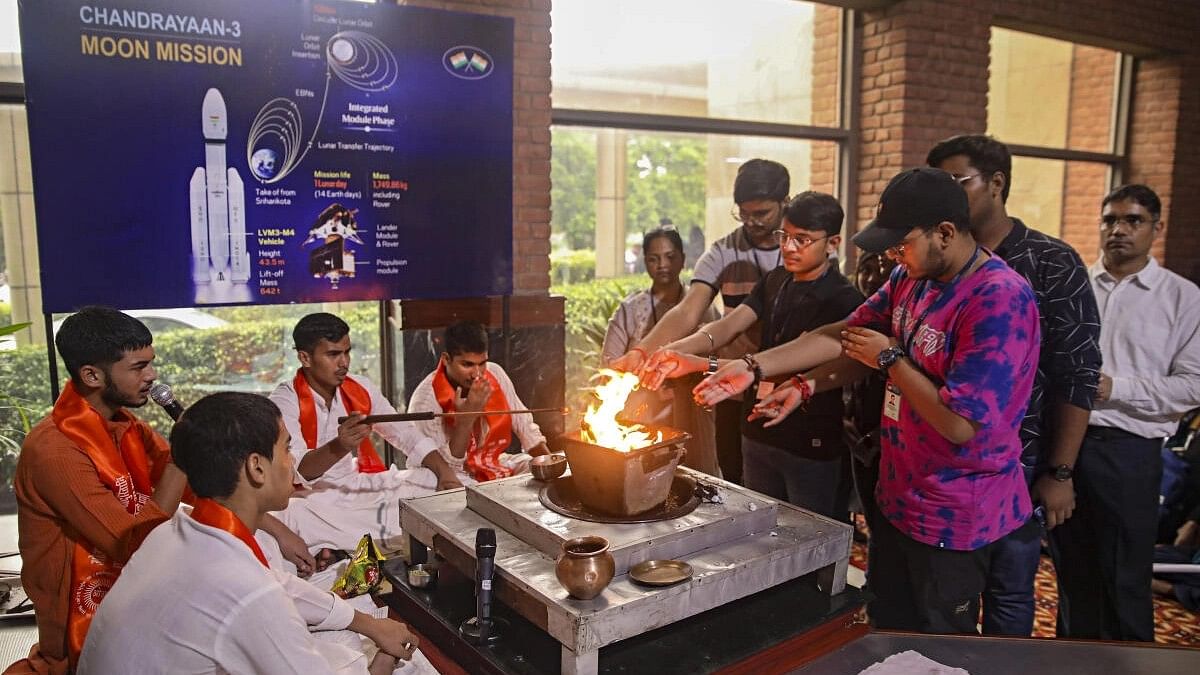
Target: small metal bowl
422,576
548,467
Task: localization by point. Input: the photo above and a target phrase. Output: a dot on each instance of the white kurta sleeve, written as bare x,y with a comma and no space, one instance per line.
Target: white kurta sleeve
321,610
267,635
406,436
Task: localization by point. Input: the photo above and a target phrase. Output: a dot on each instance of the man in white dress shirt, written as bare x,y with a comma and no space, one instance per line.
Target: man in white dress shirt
477,446
198,596
349,491
1150,341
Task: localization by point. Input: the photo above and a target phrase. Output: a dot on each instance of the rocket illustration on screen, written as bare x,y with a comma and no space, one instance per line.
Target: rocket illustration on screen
220,259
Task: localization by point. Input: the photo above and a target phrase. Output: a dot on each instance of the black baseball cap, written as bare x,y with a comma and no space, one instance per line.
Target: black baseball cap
918,197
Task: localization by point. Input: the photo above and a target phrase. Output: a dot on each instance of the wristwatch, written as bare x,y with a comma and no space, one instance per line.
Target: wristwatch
713,365
888,358
1062,473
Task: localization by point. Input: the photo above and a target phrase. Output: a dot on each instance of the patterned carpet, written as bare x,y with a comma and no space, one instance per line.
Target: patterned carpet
1173,624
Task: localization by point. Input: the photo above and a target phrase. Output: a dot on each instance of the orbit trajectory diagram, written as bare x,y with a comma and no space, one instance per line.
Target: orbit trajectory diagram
275,145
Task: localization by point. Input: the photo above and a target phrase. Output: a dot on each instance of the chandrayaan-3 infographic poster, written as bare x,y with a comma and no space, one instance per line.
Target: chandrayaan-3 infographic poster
231,152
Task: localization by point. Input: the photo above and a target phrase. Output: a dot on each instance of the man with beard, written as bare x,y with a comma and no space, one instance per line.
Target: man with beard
1150,338
955,331
348,491
477,445
91,482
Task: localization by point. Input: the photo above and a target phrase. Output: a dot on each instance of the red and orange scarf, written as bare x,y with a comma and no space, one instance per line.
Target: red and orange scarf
482,458
127,471
355,398
210,513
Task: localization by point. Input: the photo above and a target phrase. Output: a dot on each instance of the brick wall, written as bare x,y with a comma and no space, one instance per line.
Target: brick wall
531,134
1089,127
925,78
827,26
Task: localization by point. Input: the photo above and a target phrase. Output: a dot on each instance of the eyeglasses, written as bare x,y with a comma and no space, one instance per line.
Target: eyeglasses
783,238
1110,221
963,180
758,217
897,251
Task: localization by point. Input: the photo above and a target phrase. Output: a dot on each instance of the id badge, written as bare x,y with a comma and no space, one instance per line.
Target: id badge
765,388
891,402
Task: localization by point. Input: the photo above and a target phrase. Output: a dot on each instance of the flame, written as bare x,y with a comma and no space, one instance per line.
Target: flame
600,425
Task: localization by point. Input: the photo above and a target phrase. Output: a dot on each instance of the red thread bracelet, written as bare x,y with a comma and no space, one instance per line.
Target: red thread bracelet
806,391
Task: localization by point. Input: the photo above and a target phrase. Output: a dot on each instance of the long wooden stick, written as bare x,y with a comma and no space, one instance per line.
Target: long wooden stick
419,416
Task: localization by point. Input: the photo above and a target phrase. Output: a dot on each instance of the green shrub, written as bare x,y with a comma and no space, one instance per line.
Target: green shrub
572,267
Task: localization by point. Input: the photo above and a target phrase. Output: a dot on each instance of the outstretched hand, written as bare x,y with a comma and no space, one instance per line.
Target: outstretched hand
668,363
863,345
776,406
730,380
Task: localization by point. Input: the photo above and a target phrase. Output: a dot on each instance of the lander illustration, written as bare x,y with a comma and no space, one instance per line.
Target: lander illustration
331,258
220,259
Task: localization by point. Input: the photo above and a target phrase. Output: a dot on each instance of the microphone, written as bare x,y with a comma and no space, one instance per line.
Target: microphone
485,562
481,628
161,394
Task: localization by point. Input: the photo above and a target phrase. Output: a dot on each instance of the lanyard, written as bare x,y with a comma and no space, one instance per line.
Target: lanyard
914,297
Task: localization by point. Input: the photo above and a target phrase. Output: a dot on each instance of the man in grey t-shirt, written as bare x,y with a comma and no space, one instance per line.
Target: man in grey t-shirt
731,267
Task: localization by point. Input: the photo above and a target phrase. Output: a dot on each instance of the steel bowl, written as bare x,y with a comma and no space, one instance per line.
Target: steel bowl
548,467
422,576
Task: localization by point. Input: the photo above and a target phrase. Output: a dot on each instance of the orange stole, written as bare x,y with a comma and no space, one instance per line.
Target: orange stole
126,471
482,459
355,397
210,513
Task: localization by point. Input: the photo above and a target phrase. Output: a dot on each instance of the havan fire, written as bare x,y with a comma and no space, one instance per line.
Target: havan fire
600,425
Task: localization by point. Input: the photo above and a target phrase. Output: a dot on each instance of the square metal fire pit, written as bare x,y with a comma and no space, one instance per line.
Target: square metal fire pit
624,483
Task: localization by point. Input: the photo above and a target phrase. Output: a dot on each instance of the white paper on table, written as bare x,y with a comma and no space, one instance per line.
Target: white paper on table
911,663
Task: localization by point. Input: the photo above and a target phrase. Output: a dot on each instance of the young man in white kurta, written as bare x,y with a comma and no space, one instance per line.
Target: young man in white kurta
529,433
464,367
341,504
198,597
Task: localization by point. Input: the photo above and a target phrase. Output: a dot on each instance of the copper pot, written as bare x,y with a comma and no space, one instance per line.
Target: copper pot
585,566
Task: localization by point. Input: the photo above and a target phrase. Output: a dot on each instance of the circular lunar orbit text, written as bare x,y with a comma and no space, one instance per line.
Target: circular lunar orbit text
277,128
361,60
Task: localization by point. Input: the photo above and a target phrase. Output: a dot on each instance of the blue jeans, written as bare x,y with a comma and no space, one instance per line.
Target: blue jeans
816,485
1008,595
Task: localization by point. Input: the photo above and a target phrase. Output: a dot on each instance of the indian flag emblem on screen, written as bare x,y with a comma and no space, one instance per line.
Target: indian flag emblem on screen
468,63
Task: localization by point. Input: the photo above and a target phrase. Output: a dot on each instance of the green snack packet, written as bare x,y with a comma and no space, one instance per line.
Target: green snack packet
363,573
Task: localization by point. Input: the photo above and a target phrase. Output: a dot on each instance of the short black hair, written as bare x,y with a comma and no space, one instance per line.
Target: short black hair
761,179
984,152
670,233
1142,194
99,336
310,330
811,210
212,440
466,337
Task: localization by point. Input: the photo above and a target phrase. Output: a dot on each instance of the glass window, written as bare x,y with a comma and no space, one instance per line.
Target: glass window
610,186
10,43
1051,93
760,60
1061,199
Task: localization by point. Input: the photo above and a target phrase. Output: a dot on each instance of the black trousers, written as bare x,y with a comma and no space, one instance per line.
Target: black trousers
729,439
1106,549
924,588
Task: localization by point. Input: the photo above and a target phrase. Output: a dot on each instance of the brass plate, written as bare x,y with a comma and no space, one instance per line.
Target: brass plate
660,572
